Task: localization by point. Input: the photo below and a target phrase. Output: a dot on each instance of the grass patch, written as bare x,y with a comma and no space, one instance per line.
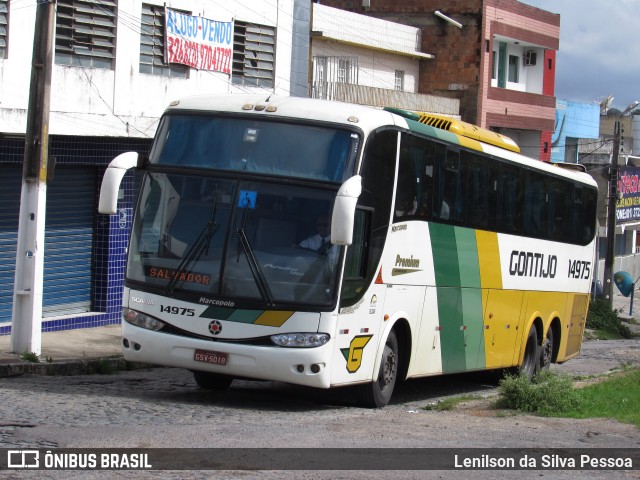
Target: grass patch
618,397
449,404
605,321
30,357
547,393
554,395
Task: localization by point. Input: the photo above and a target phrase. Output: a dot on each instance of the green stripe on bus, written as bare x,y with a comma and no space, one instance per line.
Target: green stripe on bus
474,328
468,257
217,313
433,132
445,255
232,315
451,330
245,316
455,259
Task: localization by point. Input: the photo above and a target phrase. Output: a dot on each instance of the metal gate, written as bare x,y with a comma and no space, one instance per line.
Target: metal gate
68,248
10,187
68,244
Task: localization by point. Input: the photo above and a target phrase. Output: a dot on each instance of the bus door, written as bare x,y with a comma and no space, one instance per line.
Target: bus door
426,356
502,326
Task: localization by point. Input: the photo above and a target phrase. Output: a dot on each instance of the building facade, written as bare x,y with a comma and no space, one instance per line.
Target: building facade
110,84
370,61
112,80
496,56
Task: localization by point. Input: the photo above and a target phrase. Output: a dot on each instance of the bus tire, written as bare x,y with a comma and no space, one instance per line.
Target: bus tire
531,359
378,393
212,381
546,352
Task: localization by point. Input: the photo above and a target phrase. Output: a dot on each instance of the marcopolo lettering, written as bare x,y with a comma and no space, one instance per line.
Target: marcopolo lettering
532,264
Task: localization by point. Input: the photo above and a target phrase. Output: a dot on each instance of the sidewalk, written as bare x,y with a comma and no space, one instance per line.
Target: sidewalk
67,352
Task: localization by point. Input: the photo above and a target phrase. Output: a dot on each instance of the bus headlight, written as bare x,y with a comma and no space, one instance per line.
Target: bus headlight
300,340
141,319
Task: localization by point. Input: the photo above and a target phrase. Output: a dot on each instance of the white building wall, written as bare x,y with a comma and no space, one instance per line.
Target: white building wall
375,68
348,27
122,101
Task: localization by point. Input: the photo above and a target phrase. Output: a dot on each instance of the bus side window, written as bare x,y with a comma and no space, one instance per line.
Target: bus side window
481,192
558,209
378,175
582,214
509,200
450,186
415,173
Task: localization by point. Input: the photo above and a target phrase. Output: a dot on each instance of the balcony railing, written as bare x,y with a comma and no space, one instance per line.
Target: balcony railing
382,97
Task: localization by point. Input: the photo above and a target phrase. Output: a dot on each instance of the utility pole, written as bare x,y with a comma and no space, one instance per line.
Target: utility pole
26,326
611,216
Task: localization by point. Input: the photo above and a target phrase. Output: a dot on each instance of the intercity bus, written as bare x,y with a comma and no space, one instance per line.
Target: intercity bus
449,250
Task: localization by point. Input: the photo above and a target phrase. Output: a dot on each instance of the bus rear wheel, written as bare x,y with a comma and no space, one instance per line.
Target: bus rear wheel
530,362
546,352
378,393
212,381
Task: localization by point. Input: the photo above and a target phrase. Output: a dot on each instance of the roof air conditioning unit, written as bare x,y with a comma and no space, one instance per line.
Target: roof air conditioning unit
530,57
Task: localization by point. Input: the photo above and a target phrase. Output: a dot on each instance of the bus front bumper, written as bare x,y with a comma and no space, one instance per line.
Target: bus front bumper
301,366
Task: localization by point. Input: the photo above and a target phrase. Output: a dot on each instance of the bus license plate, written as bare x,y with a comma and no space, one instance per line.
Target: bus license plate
217,358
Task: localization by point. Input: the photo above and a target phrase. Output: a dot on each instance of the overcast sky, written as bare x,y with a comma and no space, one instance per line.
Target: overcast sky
599,49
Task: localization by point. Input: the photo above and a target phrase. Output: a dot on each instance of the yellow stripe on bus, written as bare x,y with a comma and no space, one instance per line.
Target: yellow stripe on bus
489,259
273,318
470,143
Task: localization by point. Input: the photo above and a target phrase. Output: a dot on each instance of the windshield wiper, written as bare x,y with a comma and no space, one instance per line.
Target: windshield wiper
258,276
200,246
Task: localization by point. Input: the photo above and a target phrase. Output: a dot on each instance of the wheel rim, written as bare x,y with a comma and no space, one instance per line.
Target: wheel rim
388,367
547,352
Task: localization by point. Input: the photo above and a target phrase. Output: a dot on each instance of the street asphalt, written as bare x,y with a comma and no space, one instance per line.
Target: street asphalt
97,350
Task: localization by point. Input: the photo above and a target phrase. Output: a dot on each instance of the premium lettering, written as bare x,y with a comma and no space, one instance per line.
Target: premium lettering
407,262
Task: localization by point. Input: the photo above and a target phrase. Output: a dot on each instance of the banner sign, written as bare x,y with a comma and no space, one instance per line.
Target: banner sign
628,202
198,42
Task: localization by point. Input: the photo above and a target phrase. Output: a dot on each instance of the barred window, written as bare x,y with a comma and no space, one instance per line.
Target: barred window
152,44
399,81
4,23
254,48
86,33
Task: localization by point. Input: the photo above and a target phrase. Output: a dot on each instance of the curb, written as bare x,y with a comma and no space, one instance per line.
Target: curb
87,366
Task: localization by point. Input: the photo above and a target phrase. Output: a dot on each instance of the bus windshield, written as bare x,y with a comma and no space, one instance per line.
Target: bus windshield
258,146
232,240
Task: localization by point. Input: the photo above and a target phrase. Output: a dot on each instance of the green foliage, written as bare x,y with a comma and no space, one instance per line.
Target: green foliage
602,317
547,393
30,357
618,397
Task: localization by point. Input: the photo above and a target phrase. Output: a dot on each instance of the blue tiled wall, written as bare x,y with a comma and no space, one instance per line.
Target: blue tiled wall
110,234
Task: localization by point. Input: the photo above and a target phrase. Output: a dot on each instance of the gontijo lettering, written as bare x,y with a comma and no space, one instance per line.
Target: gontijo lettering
532,264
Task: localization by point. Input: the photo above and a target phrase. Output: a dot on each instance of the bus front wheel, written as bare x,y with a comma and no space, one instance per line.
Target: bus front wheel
212,381
378,393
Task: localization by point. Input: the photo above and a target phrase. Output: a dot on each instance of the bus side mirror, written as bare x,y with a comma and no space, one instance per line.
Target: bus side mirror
111,181
344,210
